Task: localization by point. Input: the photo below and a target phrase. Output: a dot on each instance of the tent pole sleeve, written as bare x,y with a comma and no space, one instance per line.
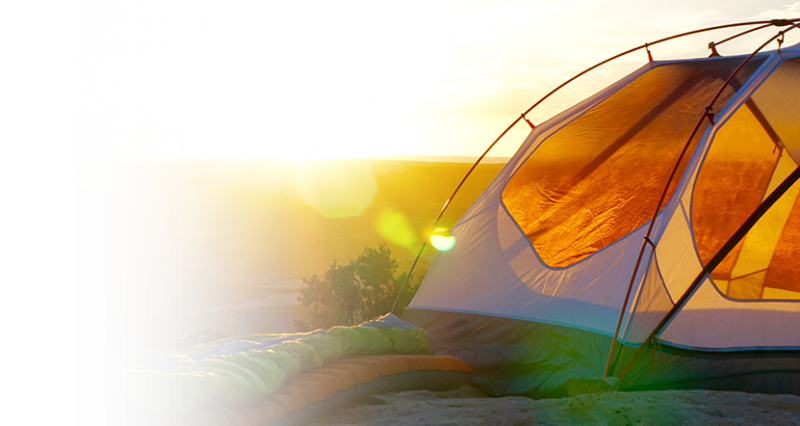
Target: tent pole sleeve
717,259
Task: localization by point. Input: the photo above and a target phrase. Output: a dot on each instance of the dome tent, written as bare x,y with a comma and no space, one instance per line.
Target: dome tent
650,232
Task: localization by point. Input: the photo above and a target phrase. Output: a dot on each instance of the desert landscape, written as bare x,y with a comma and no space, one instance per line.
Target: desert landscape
180,171
224,245
169,246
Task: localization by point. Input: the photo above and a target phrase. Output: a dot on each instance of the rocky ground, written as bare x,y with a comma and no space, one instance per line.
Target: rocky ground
468,406
273,311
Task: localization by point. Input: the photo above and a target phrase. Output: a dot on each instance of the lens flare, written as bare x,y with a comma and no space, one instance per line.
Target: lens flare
442,239
395,227
337,188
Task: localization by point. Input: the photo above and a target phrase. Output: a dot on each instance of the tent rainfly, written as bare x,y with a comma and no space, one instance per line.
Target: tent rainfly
650,232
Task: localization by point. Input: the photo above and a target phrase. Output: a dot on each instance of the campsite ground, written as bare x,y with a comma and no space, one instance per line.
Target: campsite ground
271,311
236,222
468,406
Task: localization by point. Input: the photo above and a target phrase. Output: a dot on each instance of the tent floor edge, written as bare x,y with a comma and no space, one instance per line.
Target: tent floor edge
534,359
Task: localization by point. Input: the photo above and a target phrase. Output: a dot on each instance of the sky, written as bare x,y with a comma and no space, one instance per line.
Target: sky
352,79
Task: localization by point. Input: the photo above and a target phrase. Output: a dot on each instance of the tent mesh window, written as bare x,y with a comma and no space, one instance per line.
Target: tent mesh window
750,155
599,177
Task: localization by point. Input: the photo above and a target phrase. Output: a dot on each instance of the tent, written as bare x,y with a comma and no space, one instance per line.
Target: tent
663,210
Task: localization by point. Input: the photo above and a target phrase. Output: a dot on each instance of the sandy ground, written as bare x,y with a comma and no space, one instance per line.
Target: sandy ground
467,406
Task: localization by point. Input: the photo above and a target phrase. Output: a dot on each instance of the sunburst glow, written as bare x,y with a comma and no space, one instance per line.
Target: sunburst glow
356,79
442,239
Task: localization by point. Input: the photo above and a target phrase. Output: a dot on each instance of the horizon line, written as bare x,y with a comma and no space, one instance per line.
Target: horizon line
94,155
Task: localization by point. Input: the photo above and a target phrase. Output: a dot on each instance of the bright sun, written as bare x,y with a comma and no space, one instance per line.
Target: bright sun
352,79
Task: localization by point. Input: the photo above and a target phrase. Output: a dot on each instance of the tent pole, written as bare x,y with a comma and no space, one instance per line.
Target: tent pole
717,43
646,242
717,259
764,24
447,203
408,277
469,172
707,114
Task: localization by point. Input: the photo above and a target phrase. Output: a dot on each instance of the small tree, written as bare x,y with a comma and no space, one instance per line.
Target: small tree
359,291
331,300
346,292
317,297
375,270
408,291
